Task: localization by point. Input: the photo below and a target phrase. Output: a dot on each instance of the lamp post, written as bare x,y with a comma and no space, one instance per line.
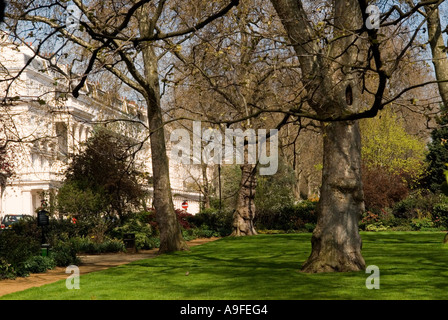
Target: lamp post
43,220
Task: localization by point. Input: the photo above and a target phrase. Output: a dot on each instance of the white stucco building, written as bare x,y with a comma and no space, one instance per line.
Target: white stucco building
45,125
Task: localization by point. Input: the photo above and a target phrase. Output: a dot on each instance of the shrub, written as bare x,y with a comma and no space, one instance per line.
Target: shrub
149,217
6,270
141,224
404,208
310,227
421,223
382,189
370,217
440,214
111,246
384,218
64,254
27,228
87,245
437,155
16,249
65,229
377,226
201,232
216,221
410,207
35,264
300,216
182,217
145,242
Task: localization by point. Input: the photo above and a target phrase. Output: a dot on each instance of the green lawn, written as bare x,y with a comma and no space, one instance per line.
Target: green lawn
413,265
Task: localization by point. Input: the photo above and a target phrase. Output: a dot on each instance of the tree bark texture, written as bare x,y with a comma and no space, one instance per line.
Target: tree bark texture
205,187
243,217
170,232
336,243
438,50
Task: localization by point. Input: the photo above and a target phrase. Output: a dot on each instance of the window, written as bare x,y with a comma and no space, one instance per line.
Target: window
61,133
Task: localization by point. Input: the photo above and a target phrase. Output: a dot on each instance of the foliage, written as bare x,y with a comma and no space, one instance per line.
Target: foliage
89,246
183,217
416,204
421,223
211,222
15,249
201,232
417,212
386,144
275,191
143,225
382,220
392,160
230,183
64,254
370,217
440,214
381,188
437,156
377,226
102,179
75,199
35,264
289,217
64,229
6,270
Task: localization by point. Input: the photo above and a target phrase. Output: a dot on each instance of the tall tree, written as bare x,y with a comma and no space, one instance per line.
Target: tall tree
126,39
332,90
232,75
437,156
339,48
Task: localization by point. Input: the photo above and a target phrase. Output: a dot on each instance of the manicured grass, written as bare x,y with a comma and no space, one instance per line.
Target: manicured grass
413,265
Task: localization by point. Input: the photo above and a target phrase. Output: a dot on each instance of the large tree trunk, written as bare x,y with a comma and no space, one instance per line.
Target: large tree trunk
332,89
170,232
243,217
336,244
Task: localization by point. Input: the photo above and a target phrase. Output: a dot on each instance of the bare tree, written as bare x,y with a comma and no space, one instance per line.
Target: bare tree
337,55
125,38
231,76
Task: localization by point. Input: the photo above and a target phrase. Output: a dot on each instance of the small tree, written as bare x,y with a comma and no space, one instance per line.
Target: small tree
102,179
392,160
275,191
437,156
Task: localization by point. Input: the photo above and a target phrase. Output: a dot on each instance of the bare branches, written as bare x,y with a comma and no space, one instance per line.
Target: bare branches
111,50
198,26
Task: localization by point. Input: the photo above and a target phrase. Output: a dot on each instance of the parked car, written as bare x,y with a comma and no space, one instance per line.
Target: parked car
10,219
